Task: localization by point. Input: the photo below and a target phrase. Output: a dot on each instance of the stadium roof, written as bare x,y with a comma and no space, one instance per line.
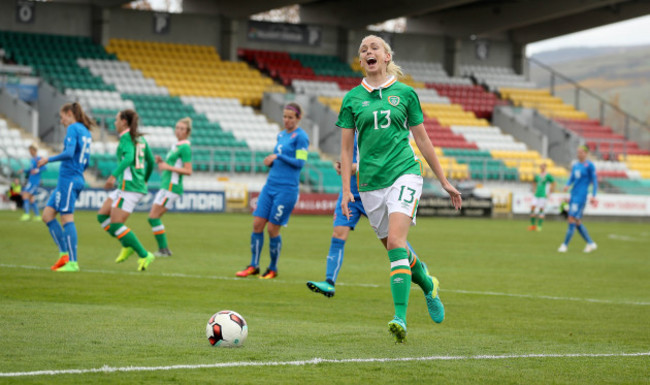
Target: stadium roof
522,21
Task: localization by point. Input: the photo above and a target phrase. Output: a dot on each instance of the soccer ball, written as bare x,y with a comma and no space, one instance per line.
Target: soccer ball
226,329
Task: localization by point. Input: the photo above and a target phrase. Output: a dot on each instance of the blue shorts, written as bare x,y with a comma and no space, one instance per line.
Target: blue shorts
65,195
356,211
275,205
30,188
576,208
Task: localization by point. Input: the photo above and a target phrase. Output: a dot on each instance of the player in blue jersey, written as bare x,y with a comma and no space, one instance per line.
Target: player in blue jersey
583,174
33,181
74,160
280,193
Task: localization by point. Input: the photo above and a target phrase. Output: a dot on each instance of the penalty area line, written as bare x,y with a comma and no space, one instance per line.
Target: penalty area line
313,361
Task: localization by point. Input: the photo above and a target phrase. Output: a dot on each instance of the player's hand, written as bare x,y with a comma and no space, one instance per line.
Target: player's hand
337,167
110,183
42,162
345,199
34,171
268,161
593,201
162,166
454,194
158,158
565,189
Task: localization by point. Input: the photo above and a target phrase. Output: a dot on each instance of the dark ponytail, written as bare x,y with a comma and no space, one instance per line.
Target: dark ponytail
131,118
79,114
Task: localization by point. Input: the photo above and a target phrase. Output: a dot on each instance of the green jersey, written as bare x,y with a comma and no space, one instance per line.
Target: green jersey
135,164
179,154
541,181
382,117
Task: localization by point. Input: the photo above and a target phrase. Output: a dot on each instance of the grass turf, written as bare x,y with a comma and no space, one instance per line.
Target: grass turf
506,291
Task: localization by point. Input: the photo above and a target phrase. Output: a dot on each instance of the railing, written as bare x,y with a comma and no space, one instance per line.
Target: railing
608,113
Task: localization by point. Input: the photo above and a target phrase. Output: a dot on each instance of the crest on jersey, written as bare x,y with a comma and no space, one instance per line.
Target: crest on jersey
393,100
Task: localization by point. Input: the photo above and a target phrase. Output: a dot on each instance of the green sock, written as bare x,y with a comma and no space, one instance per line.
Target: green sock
104,221
127,238
400,280
532,220
540,221
159,232
419,274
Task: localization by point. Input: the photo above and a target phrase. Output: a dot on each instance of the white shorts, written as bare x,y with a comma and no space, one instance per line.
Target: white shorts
539,203
165,198
402,197
125,200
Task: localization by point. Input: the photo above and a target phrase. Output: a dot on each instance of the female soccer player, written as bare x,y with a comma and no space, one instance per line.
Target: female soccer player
542,192
583,173
280,193
30,188
384,112
74,160
177,164
132,173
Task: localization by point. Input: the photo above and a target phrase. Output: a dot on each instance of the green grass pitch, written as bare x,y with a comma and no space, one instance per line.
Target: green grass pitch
507,292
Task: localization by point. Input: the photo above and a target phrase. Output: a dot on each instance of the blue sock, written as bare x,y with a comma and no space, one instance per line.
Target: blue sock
35,209
275,246
408,245
70,234
569,233
57,235
26,206
334,259
257,241
583,231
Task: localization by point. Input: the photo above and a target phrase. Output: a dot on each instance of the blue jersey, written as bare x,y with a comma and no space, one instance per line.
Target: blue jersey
354,189
34,178
76,151
582,175
291,150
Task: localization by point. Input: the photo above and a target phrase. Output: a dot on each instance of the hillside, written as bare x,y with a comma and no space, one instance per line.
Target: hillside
618,74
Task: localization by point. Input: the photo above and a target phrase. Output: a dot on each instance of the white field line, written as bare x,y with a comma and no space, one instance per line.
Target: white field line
313,361
279,281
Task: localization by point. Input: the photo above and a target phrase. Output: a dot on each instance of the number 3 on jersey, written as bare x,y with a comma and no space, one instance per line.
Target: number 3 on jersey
385,115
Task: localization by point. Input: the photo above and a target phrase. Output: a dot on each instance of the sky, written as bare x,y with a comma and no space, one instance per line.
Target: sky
625,33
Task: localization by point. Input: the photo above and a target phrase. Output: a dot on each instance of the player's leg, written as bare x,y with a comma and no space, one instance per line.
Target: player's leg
54,227
56,232
533,217
120,212
260,218
34,204
400,272
162,201
104,212
334,263
69,227
283,205
575,213
26,205
582,230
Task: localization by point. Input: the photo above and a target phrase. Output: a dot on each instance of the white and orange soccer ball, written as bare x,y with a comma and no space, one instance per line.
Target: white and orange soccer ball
226,329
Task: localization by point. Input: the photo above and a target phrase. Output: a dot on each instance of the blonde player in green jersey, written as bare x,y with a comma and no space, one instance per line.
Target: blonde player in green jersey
384,113
177,164
543,185
131,175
